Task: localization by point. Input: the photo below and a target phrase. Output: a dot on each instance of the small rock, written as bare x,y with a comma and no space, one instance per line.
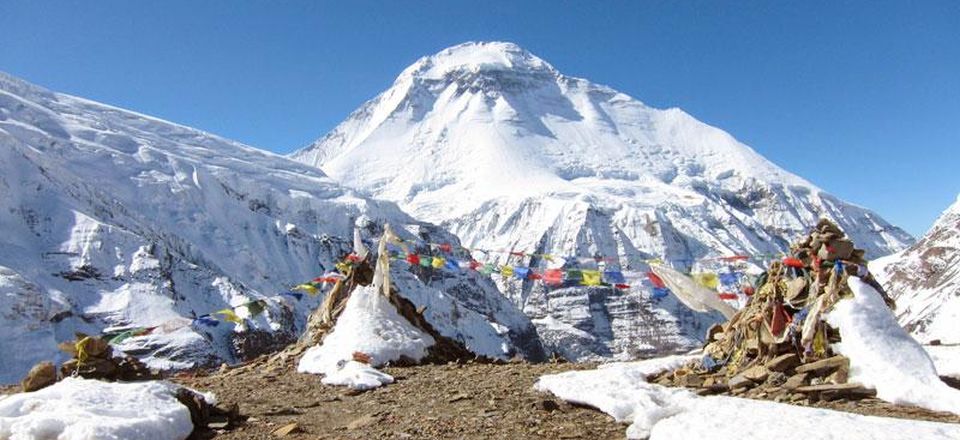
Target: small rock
740,382
548,405
822,367
795,381
757,373
286,430
458,398
362,422
784,362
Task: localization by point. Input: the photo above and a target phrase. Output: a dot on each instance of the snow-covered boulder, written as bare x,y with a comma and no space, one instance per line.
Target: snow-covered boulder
83,409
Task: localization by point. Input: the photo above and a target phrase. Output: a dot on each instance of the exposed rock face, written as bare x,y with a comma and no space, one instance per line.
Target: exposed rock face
925,280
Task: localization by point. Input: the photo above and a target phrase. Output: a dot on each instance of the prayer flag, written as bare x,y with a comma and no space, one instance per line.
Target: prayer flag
553,277
535,276
296,295
621,286
446,247
426,260
452,264
727,295
309,288
506,270
521,272
659,292
438,262
706,279
487,269
729,278
413,259
208,320
573,276
229,315
614,277
255,308
475,265
657,282
591,277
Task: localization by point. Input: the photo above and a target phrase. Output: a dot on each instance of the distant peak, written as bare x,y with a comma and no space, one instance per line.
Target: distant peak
478,56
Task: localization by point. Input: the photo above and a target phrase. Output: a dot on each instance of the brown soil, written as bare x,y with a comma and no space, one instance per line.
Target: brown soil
470,401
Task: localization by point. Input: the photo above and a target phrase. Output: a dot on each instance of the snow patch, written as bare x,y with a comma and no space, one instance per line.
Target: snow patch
82,409
370,325
884,356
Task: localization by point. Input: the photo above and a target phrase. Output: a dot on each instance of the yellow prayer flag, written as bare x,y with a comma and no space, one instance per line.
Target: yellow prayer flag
590,277
707,279
506,271
309,288
438,262
229,315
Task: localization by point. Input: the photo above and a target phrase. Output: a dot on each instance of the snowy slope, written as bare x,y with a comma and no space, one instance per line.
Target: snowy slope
111,218
506,152
925,280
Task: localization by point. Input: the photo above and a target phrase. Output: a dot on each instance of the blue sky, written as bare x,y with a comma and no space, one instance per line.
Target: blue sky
861,98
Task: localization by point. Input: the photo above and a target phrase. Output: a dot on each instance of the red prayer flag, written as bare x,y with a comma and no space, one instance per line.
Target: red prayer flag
727,295
793,262
446,247
535,276
553,276
353,258
413,259
474,264
621,286
657,282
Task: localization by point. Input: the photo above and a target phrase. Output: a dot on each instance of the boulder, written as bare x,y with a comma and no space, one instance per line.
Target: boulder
784,362
40,376
824,366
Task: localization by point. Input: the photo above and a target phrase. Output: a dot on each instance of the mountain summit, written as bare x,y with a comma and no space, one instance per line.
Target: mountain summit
484,122
499,147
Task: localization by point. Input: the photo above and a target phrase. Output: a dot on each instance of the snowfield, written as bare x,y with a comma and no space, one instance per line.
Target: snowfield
82,409
111,218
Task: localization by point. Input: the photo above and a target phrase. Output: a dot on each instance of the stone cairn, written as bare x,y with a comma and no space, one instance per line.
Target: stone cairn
778,346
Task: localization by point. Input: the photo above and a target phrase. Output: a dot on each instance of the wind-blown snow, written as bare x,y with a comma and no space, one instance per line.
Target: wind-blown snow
662,413
884,356
83,409
511,154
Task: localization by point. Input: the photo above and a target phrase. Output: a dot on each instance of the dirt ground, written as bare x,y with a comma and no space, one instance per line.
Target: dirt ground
470,401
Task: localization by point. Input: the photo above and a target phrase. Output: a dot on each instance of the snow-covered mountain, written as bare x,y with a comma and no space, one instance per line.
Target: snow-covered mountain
925,280
111,218
503,150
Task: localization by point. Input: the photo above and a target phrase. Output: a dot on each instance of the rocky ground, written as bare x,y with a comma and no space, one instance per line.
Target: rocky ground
469,401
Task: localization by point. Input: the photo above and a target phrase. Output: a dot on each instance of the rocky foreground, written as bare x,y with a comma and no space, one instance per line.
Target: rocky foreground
469,401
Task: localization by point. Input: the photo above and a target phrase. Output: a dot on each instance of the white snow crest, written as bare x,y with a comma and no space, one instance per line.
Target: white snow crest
82,409
884,356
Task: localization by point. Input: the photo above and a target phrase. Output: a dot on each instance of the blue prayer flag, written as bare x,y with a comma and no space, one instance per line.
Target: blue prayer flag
614,277
452,264
660,292
521,272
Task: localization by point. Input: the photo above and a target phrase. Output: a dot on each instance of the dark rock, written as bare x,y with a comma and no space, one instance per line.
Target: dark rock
824,366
